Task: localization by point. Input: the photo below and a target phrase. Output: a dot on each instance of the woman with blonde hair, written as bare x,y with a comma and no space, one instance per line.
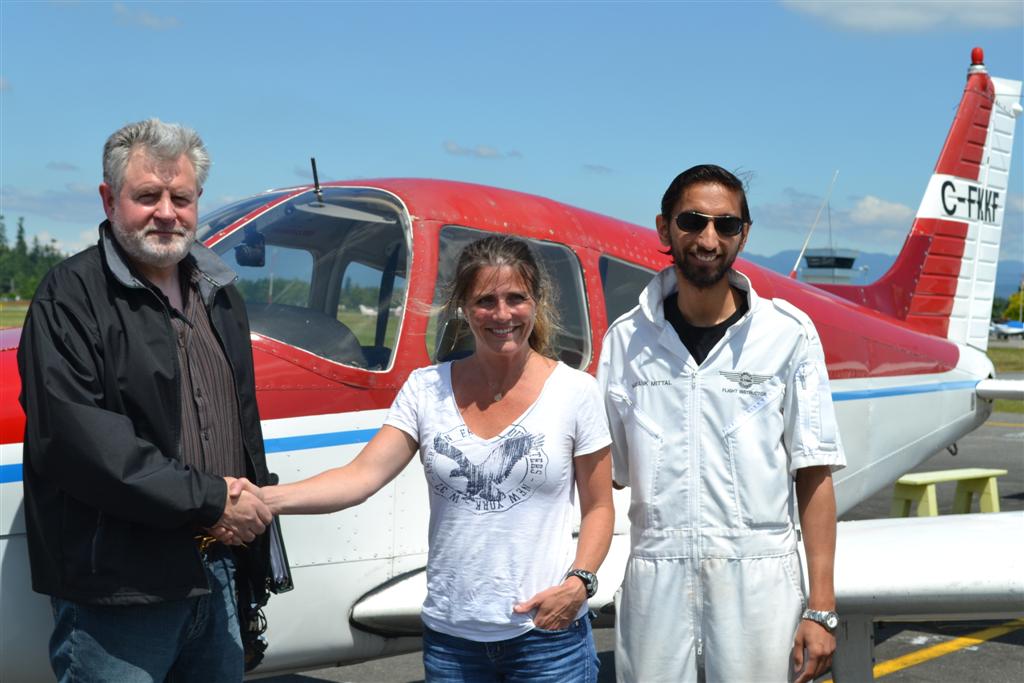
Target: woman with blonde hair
508,437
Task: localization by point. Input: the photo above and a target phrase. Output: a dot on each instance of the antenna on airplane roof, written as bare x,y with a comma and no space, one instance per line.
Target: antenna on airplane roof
828,195
316,181
337,210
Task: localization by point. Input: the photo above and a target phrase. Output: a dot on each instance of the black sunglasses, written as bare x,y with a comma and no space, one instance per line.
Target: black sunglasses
694,221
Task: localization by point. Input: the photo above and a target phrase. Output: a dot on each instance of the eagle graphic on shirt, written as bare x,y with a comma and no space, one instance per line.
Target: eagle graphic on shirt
508,474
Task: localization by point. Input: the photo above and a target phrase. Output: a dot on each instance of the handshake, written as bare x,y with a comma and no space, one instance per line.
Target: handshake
245,516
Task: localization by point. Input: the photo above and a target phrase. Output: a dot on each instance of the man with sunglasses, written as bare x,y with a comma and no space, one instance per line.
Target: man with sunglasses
723,427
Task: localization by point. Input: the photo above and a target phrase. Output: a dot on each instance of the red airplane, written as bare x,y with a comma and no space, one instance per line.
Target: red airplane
342,281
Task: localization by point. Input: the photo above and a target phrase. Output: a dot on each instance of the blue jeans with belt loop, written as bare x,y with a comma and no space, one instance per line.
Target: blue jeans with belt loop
538,656
195,639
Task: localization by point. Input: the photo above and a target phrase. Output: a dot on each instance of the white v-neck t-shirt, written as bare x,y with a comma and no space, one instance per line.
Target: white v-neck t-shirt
501,509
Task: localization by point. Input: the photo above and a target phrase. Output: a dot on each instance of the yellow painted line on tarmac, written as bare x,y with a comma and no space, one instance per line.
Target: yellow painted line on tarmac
995,423
891,666
914,658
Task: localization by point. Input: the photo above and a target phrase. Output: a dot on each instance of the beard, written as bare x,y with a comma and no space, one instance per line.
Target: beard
700,275
152,252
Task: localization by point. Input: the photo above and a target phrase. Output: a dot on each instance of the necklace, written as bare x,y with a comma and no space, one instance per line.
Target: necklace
498,393
496,387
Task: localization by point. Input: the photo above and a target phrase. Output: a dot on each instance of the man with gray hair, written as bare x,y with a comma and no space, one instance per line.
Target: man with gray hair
138,389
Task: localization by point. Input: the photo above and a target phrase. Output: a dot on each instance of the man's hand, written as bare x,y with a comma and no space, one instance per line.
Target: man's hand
557,606
237,486
813,640
245,515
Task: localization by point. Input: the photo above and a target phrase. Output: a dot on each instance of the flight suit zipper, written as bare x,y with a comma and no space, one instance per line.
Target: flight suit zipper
695,496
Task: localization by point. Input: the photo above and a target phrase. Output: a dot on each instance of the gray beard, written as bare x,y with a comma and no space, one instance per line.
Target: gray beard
163,256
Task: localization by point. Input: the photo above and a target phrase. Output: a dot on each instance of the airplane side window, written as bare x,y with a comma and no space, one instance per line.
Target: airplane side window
450,339
622,283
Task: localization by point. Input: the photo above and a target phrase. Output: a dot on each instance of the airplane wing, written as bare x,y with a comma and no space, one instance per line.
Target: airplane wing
931,568
911,569
1011,389
1008,329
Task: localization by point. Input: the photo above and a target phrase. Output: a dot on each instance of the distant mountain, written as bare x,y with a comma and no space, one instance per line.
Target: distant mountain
1008,276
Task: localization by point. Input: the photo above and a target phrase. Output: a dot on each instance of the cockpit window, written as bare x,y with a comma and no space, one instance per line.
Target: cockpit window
326,276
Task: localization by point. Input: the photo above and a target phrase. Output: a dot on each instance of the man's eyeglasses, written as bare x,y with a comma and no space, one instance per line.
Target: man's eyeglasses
694,221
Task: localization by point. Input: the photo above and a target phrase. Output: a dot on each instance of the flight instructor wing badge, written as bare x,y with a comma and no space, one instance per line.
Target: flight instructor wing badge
744,379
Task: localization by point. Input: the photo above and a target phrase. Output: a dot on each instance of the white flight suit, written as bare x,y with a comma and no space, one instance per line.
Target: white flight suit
713,586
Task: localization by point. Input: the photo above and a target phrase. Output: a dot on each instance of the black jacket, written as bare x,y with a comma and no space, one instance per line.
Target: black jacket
110,509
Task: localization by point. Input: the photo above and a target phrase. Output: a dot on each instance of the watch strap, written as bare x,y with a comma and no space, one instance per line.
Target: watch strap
588,578
826,618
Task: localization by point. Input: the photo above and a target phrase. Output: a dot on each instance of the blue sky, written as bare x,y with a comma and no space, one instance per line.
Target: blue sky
595,104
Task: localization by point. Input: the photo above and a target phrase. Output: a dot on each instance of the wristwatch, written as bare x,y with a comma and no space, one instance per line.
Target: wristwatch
588,578
828,619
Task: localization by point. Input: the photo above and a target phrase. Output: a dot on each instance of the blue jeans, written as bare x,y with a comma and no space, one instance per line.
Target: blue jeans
195,639
538,656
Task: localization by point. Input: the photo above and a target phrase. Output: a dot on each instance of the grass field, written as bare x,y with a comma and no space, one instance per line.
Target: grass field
364,327
12,313
1007,359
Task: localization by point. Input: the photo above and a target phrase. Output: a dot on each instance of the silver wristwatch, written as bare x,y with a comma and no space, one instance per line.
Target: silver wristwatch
830,620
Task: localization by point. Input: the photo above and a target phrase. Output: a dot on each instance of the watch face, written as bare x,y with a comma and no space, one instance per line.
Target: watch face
831,620
589,580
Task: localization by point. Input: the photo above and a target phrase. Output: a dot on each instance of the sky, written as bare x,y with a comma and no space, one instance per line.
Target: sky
596,104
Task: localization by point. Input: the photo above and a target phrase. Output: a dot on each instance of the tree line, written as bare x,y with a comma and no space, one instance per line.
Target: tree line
295,292
22,265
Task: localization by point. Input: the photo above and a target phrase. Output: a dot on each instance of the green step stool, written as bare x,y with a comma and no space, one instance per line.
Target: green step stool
919,488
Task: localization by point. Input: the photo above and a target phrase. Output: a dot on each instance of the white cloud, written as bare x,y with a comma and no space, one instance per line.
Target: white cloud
1015,202
478,151
61,166
885,16
599,169
75,203
223,200
1012,239
874,211
128,16
871,224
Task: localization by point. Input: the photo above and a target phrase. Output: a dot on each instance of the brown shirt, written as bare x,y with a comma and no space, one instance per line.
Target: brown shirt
211,439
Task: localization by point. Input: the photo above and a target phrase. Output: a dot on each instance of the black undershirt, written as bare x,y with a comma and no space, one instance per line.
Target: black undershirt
700,340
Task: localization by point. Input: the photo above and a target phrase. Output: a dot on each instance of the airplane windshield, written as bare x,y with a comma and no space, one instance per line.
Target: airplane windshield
218,219
326,276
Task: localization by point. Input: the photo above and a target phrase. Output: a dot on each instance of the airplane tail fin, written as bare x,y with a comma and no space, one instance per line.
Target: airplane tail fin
943,281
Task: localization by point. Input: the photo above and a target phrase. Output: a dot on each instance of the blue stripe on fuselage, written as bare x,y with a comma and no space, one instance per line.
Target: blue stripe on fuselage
307,441
9,473
884,392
